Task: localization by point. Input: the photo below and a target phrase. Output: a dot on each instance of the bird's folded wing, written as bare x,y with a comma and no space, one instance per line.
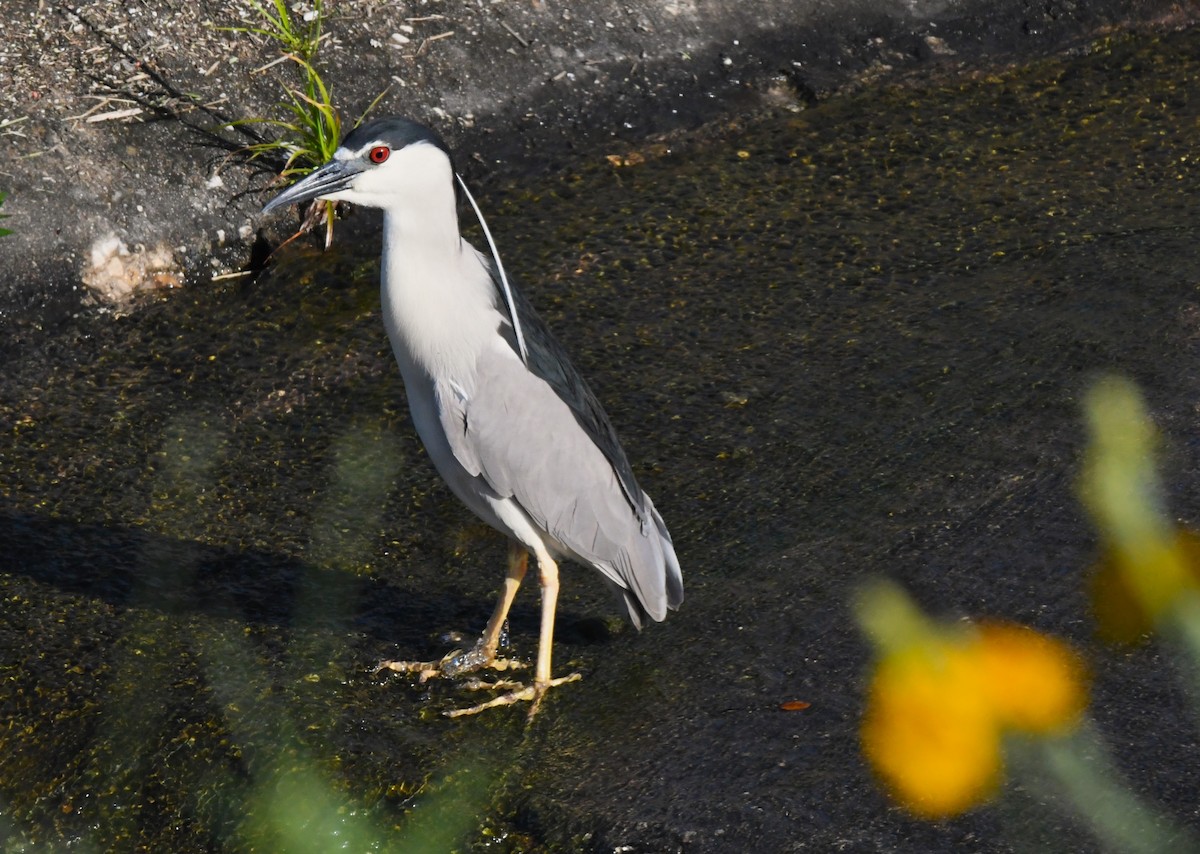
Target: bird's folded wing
548,360
515,431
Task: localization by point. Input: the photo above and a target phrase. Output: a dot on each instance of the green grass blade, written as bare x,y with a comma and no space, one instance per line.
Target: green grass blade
4,231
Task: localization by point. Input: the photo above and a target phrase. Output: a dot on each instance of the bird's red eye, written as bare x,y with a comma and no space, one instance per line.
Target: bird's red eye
379,153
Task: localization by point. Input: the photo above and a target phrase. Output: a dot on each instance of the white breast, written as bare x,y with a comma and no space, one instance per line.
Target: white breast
439,302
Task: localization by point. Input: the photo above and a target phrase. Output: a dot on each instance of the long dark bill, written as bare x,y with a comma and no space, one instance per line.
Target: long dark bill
333,176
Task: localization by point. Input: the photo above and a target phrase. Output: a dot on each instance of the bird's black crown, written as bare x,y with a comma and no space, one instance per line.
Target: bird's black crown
395,132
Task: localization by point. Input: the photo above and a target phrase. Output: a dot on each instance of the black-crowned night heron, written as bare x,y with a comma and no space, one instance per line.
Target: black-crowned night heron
509,423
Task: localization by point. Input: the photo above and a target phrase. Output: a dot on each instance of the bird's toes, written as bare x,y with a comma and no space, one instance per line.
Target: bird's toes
518,693
523,694
477,684
502,664
452,664
424,670
541,688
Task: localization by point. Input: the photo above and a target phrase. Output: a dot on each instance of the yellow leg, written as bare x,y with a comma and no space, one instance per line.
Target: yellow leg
542,681
518,562
483,654
548,578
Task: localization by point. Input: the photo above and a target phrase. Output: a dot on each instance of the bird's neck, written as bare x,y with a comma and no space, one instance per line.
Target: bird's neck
439,303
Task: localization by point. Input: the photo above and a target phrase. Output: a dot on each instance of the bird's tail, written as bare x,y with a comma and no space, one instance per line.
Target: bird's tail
671,561
666,567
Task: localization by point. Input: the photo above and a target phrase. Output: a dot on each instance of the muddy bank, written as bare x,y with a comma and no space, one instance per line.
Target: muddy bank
105,176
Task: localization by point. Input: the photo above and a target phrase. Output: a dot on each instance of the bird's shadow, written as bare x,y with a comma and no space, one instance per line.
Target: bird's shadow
128,567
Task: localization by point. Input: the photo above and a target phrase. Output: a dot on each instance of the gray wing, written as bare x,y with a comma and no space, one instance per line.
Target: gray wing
548,360
538,435
513,430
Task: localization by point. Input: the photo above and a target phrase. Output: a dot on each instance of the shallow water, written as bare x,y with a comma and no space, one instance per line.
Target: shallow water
837,342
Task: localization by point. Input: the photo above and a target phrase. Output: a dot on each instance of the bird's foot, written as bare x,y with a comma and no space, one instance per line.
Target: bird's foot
478,658
518,693
454,663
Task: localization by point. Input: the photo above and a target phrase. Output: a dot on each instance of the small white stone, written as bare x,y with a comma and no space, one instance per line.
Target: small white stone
106,248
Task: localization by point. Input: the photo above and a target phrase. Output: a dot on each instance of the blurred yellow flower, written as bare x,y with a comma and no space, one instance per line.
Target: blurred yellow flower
1131,594
941,699
1035,683
929,732
1150,568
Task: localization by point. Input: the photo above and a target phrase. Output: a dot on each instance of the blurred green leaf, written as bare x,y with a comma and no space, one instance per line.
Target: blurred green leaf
4,231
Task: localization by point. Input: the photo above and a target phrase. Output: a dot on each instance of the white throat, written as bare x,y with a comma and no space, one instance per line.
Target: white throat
439,302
